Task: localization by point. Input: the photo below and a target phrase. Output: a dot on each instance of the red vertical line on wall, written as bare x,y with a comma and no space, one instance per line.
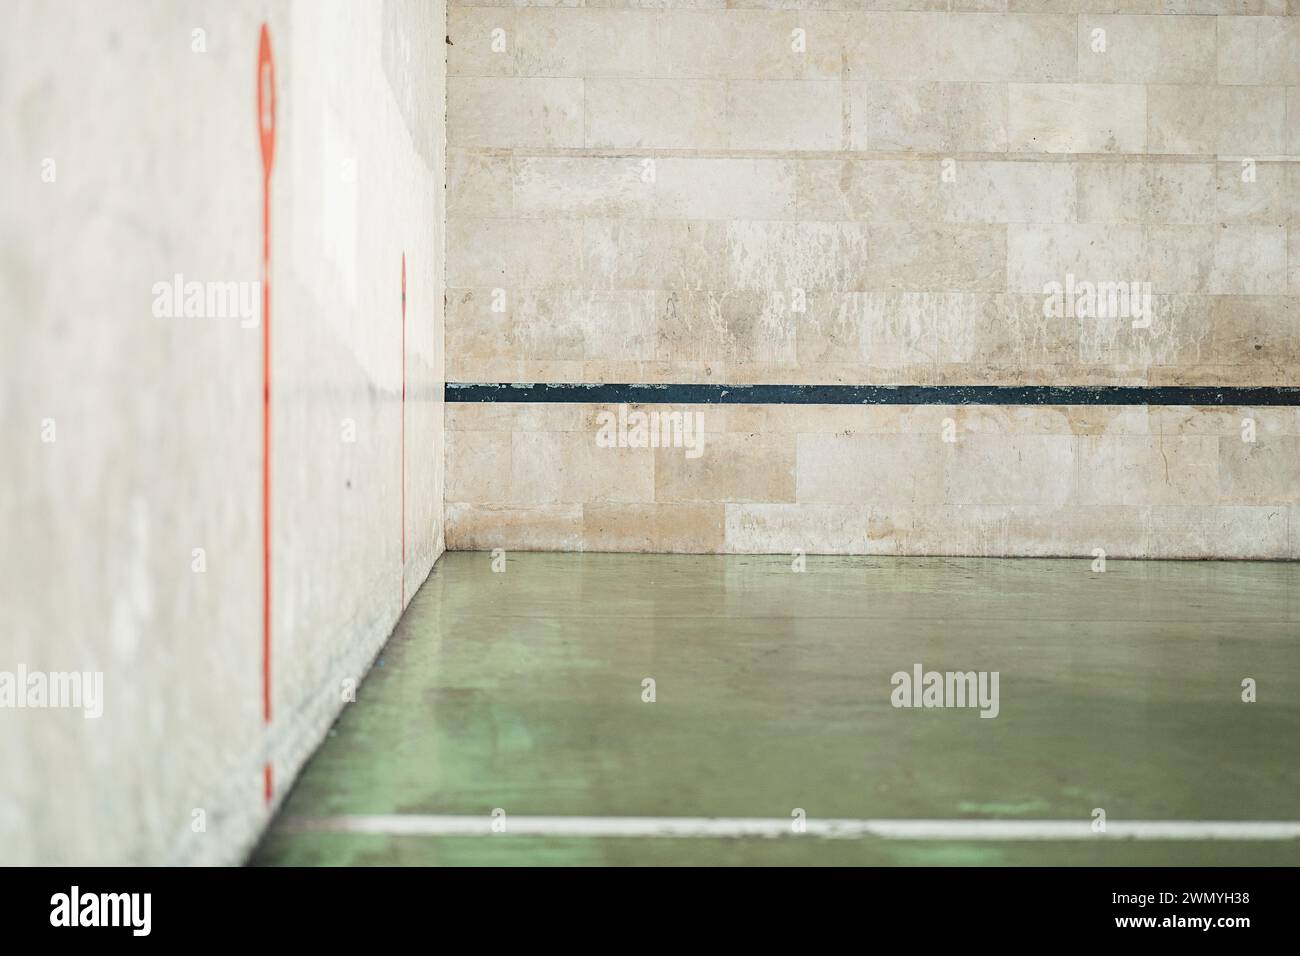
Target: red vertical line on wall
403,492
266,137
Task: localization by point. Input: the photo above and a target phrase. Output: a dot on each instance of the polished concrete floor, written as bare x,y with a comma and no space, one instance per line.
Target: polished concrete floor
523,690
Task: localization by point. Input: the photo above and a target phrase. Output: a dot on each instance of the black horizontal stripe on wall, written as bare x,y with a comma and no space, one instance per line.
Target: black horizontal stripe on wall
715,394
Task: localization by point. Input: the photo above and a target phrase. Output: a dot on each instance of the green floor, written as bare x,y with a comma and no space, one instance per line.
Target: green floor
522,690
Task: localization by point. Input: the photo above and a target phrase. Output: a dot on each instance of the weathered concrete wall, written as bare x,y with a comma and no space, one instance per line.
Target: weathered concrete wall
877,196
132,508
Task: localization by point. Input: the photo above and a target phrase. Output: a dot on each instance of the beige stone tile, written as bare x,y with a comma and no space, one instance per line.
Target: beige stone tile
1227,260
672,528
1142,191
1076,117
813,529
784,114
1258,50
1180,333
1267,422
515,416
512,253
1292,189
1207,531
1012,332
1011,422
1251,120
478,466
1168,8
868,190
662,113
508,112
544,468
782,256
825,37
734,467
548,324
1119,531
1088,6
1213,375
570,467
760,328
1038,254
1249,260
471,36
997,192
691,327
890,115
1256,193
1293,260
960,47
825,419
1182,119
479,184
724,188
1145,49
652,254
1159,470
549,468
831,330
614,475
1009,469
588,43
650,4
1094,420
1291,137
737,44
710,418
548,187
916,191
1236,121
1178,258
620,528
1265,471
947,258
620,326
473,329
496,369
871,469
473,527
748,418
913,336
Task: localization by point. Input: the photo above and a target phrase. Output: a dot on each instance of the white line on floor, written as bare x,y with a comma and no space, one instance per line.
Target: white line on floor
730,827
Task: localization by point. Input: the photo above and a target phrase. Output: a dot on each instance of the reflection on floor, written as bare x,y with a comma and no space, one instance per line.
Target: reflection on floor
525,692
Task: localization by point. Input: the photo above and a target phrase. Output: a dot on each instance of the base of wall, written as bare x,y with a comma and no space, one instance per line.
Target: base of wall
1142,481
237,815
